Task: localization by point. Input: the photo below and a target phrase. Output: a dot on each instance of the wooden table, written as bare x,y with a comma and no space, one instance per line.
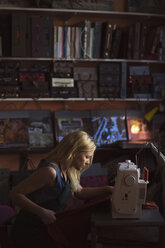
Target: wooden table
149,218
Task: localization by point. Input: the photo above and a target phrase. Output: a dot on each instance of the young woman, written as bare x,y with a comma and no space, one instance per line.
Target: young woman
44,193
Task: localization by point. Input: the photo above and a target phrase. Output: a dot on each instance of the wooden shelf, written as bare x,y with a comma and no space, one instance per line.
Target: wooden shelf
82,99
81,12
83,60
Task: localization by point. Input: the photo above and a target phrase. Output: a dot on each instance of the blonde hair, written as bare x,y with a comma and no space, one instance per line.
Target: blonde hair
78,141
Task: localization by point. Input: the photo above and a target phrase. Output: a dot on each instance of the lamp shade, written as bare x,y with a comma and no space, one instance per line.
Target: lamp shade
149,115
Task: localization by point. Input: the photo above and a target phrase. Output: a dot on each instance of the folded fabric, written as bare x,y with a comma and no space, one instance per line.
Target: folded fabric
6,212
72,226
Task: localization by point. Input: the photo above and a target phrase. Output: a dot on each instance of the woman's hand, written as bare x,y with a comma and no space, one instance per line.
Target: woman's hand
109,189
47,216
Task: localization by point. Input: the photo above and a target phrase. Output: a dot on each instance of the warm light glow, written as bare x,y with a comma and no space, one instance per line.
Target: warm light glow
135,128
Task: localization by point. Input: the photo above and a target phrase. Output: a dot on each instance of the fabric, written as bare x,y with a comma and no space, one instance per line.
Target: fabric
6,212
85,181
72,227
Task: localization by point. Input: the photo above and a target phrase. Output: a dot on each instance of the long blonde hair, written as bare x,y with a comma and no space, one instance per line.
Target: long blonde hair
78,141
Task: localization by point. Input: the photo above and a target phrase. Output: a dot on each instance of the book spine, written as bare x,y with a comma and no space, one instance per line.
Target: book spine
97,40
77,42
161,43
156,41
88,39
85,55
136,50
69,42
47,36
72,53
6,34
55,42
116,36
107,39
144,30
18,35
130,42
37,36
123,80
28,36
59,42
65,41
91,42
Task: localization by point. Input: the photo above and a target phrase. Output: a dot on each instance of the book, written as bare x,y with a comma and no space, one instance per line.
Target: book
123,51
109,74
37,36
72,44
84,27
77,42
156,41
140,70
47,36
91,42
86,39
28,36
158,85
151,34
89,38
123,92
140,82
143,40
136,48
6,34
116,39
55,41
130,41
161,48
68,42
107,39
60,42
42,39
65,40
18,34
97,39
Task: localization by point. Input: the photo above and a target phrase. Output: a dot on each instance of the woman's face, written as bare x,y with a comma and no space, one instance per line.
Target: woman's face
82,159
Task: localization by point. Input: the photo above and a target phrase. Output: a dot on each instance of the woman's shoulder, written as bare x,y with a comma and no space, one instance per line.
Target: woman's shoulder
48,167
43,163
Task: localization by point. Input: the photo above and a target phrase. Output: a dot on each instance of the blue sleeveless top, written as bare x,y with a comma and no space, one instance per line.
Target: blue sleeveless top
53,198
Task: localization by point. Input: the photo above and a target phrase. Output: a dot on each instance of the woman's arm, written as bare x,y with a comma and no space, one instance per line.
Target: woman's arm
92,192
40,178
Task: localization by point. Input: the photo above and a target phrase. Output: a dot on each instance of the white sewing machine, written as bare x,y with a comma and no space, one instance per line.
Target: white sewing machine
129,192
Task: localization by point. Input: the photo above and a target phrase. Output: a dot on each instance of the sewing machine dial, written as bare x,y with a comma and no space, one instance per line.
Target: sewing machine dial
129,180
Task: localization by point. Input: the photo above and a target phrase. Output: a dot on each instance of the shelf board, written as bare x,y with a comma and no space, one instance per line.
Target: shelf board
81,12
83,60
83,99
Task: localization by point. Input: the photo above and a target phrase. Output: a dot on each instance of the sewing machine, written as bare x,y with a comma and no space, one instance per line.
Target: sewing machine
129,192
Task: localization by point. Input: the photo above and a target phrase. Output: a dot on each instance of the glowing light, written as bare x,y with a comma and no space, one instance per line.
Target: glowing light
135,128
